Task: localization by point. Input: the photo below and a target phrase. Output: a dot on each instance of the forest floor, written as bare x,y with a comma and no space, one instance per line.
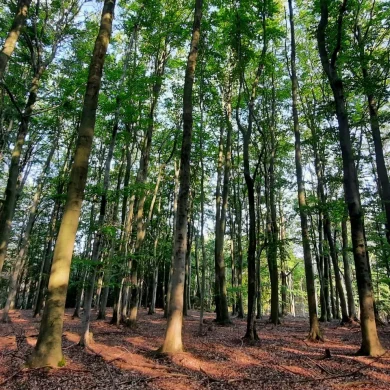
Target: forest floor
123,358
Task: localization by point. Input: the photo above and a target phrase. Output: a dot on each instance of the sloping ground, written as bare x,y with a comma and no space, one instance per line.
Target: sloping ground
123,358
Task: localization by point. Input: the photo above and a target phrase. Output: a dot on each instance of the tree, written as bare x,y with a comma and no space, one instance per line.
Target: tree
48,351
13,36
370,342
314,333
173,340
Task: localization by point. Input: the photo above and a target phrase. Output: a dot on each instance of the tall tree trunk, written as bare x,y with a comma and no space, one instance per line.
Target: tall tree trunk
13,36
223,317
238,209
273,244
173,338
175,202
283,262
217,289
202,212
314,333
370,342
48,350
331,288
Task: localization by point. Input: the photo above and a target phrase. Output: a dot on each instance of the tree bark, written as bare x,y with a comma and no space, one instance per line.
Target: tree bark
370,342
314,333
217,289
13,36
48,350
347,270
173,337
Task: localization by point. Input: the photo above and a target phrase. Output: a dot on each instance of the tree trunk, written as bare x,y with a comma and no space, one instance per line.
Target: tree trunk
327,289
314,333
85,337
175,202
347,270
217,289
283,262
331,288
48,350
173,337
13,36
336,269
223,310
152,308
202,212
370,342
238,209
187,267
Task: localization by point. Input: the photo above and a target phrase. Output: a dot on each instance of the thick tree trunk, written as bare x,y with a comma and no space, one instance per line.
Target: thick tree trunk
13,36
173,337
314,333
48,350
370,342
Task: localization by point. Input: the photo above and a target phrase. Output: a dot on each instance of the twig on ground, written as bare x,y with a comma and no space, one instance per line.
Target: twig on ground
319,366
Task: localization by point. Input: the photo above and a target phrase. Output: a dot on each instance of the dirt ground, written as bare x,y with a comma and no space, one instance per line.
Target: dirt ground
123,358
